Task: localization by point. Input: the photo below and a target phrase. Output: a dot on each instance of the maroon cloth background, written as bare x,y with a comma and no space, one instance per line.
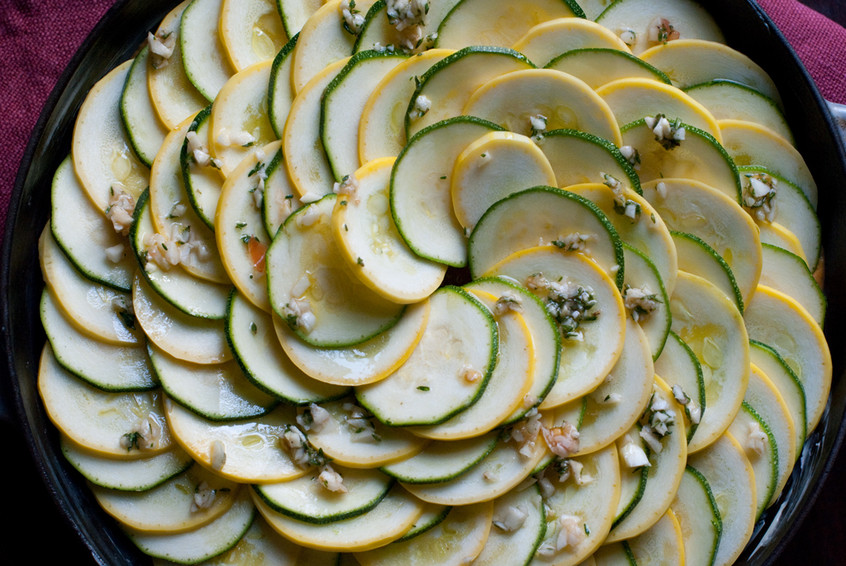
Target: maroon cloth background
39,37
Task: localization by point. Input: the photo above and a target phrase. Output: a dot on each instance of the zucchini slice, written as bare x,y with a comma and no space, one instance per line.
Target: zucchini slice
447,372
143,127
698,258
251,31
174,97
239,120
552,38
171,507
343,103
102,154
638,17
519,99
598,66
763,453
365,232
306,499
425,218
679,367
280,91
786,272
458,539
106,366
711,325
252,337
518,544
699,517
499,22
191,295
663,539
202,182
204,542
545,215
245,452
789,387
102,422
313,289
84,233
203,54
217,392
650,301
442,461
567,282
295,13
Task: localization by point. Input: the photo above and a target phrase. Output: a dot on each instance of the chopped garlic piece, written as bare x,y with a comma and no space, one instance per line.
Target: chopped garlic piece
508,302
510,519
351,17
756,440
640,302
634,456
331,480
538,124
660,30
120,210
204,497
115,253
146,435
348,186
562,440
161,48
422,105
470,375
217,455
314,418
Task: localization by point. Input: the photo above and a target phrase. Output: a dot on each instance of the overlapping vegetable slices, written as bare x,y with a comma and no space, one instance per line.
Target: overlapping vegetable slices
530,324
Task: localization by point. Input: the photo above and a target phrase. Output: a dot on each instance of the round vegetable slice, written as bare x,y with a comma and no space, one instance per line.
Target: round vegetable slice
598,66
551,38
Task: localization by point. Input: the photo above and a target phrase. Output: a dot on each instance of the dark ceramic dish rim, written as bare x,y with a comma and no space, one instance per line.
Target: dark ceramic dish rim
747,27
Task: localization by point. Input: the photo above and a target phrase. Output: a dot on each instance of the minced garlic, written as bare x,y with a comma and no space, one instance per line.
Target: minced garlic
563,441
640,301
120,210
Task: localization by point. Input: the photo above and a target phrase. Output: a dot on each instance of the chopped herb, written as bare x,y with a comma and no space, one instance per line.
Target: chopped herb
423,388
360,261
259,166
132,439
253,328
240,225
127,318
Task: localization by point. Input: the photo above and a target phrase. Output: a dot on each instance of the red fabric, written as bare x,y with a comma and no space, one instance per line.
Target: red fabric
38,38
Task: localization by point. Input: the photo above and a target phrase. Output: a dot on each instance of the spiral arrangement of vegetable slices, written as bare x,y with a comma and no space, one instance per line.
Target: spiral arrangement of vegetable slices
434,282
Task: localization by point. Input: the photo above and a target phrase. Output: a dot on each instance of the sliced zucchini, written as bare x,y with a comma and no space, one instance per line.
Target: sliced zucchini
508,543
239,119
239,230
84,233
690,62
590,345
611,409
733,100
251,31
519,99
174,97
699,518
103,158
191,295
442,461
386,522
171,507
577,157
679,367
280,91
705,212
649,300
279,200
711,325
126,475
143,127
507,389
780,322
105,366
458,539
761,448
788,273
640,228
99,312
789,387
342,106
731,479
493,167
752,144
382,127
295,13
663,541
638,18
311,287
445,88
353,438
368,238
302,146
448,370
698,258
665,471
186,337
582,508
306,499
550,39
632,479
203,54
204,542
699,157
245,452
545,215
252,339
430,518
202,181
368,362
173,216
598,66
104,423
546,338
217,392
499,22
425,218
